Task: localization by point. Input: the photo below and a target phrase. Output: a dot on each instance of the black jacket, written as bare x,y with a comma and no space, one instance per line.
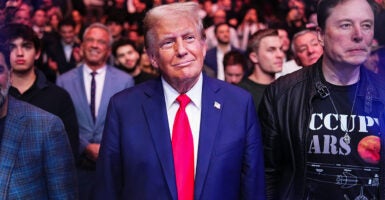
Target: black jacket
285,113
55,100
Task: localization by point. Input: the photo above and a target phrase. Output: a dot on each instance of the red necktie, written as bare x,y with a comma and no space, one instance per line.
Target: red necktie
183,150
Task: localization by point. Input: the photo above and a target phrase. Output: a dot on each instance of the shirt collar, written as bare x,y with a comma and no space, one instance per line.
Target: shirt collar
195,93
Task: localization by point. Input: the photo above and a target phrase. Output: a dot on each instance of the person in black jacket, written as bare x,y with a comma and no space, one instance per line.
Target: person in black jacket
322,125
30,85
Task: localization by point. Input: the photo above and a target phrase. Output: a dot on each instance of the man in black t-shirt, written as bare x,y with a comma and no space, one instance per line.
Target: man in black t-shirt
322,124
127,57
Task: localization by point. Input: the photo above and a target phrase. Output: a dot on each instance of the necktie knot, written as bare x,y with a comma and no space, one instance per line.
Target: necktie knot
183,100
93,74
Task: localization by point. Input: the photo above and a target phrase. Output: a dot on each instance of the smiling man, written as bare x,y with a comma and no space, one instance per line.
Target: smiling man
91,86
323,125
184,135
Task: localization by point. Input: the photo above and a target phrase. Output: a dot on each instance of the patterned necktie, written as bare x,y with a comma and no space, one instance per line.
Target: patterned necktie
183,151
93,89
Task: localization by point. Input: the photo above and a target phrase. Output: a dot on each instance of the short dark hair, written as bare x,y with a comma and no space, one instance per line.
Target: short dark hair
235,57
67,22
255,39
218,25
324,9
13,31
124,42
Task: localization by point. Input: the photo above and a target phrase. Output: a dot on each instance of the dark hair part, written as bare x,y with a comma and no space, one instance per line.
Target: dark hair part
324,9
255,39
235,57
13,31
124,42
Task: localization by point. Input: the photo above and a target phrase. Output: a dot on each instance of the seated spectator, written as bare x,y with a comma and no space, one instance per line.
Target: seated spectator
127,58
306,51
235,65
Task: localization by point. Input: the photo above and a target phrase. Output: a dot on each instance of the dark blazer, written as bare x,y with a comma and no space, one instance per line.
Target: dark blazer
35,156
56,52
136,162
211,59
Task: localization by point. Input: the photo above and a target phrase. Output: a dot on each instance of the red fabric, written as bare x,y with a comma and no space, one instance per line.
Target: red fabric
183,150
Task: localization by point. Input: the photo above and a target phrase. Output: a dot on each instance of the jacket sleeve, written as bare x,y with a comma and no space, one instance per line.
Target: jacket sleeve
108,167
271,138
59,163
253,178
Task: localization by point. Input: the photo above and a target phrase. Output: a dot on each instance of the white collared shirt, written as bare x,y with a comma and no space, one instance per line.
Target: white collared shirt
221,69
99,80
67,48
193,109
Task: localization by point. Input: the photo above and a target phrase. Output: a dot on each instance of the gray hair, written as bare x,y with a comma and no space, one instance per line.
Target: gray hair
100,26
298,34
173,11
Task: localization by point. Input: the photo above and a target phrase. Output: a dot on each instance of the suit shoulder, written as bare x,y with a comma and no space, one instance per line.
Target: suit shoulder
69,74
28,110
232,91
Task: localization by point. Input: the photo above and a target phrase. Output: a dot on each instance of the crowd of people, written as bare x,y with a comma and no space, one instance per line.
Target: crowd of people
225,99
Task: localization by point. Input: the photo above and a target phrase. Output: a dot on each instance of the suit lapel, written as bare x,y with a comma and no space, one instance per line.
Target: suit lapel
79,87
10,144
210,115
107,93
156,115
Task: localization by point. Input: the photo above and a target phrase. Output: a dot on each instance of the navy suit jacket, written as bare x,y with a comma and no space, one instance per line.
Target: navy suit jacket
136,162
211,59
36,160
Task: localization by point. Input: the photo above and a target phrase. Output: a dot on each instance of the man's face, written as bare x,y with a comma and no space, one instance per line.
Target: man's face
115,29
348,33
179,51
22,17
39,18
285,39
223,34
234,73
67,34
270,55
96,47
307,49
23,55
4,80
127,56
219,17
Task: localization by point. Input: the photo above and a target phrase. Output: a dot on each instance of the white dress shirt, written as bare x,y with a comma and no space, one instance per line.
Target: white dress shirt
99,80
193,110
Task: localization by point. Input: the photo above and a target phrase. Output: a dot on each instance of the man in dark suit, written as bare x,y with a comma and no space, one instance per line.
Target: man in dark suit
214,58
63,54
91,100
35,155
212,150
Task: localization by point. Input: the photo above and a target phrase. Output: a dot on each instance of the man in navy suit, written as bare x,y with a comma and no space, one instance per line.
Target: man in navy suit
91,100
140,155
214,58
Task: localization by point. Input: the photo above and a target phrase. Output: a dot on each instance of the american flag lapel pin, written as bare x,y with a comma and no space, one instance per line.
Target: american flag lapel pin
217,105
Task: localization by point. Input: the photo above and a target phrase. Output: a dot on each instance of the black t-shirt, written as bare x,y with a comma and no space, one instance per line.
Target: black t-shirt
336,168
